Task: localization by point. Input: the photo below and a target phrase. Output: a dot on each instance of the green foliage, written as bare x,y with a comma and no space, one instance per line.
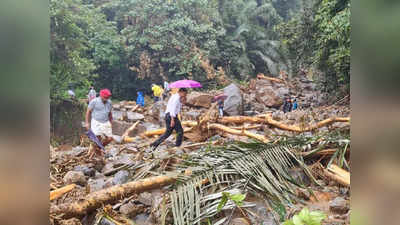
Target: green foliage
236,198
81,39
320,37
127,45
305,217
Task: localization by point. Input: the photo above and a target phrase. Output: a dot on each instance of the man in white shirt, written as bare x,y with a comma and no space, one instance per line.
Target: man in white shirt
171,118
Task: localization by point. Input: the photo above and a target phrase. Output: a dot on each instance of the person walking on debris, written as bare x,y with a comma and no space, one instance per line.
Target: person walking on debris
287,106
92,94
294,104
172,121
157,92
220,99
99,120
140,99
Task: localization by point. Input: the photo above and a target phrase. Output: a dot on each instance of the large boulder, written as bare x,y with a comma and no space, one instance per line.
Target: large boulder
157,110
200,99
119,127
134,116
233,104
75,177
270,94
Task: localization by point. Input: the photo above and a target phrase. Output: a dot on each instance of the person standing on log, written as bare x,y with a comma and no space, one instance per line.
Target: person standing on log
172,121
99,120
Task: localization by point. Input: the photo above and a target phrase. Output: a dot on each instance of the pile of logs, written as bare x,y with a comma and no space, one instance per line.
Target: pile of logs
207,126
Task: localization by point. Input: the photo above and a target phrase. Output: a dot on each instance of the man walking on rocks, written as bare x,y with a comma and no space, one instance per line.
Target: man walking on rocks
172,121
99,120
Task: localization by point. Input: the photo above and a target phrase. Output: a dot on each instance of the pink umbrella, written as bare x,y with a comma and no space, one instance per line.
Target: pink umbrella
185,84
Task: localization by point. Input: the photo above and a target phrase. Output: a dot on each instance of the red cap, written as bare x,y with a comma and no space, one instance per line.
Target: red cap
105,93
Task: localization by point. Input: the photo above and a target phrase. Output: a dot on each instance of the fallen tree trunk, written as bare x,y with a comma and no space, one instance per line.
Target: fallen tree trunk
131,128
59,192
162,130
238,132
338,174
268,120
107,196
262,76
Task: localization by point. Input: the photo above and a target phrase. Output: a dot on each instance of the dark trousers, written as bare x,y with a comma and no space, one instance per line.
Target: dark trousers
178,128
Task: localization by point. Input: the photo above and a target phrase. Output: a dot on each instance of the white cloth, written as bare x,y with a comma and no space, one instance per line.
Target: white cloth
100,128
174,105
71,93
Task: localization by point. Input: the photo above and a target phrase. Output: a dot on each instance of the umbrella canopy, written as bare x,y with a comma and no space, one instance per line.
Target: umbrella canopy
185,84
94,138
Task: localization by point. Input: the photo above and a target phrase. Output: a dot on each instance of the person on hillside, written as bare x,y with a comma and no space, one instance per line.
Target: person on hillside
71,93
157,92
140,99
172,121
99,120
287,105
294,107
92,94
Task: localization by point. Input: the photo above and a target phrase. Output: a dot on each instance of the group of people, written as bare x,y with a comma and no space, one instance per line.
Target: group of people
99,118
289,104
99,115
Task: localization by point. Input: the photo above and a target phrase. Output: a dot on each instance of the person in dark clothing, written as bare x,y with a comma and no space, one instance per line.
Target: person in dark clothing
287,106
172,121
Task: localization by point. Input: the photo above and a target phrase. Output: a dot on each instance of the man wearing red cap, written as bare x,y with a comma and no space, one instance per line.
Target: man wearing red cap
99,120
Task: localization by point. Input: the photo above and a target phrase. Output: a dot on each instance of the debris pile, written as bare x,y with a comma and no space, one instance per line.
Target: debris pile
129,187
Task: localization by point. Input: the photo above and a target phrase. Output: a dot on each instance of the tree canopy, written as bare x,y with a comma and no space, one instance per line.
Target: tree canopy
127,45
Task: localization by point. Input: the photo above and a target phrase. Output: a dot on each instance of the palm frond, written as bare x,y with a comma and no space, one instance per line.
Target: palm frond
236,168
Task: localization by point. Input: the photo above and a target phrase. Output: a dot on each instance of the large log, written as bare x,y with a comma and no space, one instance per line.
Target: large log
131,128
108,196
267,119
59,192
338,174
273,79
238,132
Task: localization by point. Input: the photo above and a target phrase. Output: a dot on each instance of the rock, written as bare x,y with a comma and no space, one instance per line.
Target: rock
105,221
121,177
134,116
117,114
299,176
270,94
199,99
192,115
233,104
119,127
96,184
157,110
239,221
130,209
73,221
86,170
249,113
145,198
75,177
339,205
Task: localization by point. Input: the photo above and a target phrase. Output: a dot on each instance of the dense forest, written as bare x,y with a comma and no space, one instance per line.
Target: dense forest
125,45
